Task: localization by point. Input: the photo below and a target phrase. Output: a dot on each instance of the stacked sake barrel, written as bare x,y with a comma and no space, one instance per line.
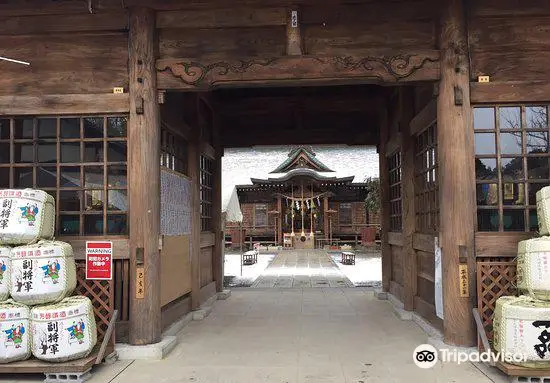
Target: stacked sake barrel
37,277
522,324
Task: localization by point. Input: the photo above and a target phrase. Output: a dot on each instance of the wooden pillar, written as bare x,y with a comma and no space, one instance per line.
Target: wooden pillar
194,154
218,250
455,147
279,221
384,199
325,217
406,98
144,176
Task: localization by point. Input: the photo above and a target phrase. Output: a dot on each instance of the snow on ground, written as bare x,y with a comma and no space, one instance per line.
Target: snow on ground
367,271
232,269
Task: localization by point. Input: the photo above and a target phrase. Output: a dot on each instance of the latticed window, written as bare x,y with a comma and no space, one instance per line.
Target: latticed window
394,170
173,151
260,214
426,181
512,155
344,214
206,169
80,161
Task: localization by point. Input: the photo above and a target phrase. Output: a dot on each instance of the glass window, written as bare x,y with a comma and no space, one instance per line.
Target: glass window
394,169
50,153
536,117
206,166
485,143
484,118
426,181
510,117
506,199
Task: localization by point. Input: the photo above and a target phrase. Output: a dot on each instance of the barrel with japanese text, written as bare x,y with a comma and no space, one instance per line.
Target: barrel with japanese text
521,328
63,331
533,267
42,273
26,216
543,210
15,332
5,272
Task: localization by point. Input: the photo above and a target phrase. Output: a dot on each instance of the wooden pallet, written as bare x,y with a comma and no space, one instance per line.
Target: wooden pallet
35,366
513,370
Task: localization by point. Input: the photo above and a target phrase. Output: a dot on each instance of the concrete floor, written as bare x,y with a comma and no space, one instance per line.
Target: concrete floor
295,335
291,328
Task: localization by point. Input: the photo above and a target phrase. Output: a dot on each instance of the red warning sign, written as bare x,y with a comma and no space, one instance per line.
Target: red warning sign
99,260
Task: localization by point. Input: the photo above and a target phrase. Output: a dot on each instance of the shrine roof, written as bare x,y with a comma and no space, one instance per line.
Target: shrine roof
301,157
300,172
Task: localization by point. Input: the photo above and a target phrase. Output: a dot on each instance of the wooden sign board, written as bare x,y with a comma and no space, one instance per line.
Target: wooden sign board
464,281
140,283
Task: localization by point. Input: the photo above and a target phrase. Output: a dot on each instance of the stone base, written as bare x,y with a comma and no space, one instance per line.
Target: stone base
155,351
223,295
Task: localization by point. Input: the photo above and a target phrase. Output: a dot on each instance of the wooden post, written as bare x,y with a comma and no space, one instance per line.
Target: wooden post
325,217
194,154
218,250
455,147
293,33
144,178
279,222
384,199
406,98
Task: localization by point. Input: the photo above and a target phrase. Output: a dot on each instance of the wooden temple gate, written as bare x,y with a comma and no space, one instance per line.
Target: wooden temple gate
422,59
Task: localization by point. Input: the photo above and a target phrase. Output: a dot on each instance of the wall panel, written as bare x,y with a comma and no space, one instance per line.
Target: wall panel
64,64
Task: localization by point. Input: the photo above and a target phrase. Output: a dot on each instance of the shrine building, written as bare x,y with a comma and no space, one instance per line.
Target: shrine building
303,205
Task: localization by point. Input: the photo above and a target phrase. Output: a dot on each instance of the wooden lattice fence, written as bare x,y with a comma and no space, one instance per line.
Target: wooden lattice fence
101,293
495,278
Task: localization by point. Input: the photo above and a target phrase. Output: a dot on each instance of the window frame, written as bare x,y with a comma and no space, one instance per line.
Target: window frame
395,177
426,179
82,166
206,178
522,185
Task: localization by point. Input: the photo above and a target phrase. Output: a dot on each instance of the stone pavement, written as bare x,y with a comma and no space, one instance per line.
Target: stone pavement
302,268
294,335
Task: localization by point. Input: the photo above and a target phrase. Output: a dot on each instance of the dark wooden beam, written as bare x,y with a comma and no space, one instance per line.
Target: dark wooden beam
222,18
321,103
510,91
144,176
64,104
455,147
203,74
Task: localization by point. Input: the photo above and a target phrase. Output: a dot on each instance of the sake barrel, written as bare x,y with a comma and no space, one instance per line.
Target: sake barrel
533,267
15,332
5,273
26,216
521,326
63,331
543,210
42,273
